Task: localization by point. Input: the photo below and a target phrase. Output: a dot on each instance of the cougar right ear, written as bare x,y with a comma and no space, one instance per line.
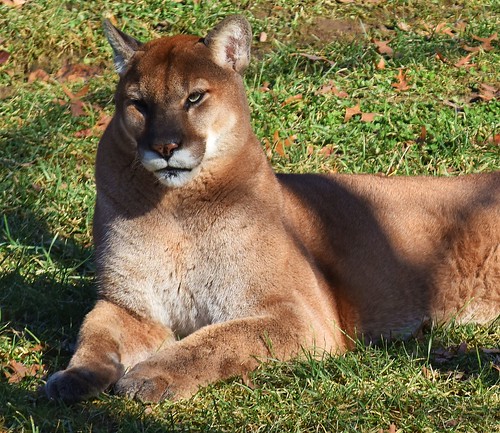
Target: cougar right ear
124,46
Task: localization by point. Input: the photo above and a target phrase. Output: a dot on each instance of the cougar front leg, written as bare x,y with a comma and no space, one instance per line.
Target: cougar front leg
110,341
213,353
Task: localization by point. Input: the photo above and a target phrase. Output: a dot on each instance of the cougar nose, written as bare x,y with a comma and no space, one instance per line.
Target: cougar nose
165,150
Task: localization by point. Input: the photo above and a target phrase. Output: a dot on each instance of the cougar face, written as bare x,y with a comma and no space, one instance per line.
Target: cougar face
169,101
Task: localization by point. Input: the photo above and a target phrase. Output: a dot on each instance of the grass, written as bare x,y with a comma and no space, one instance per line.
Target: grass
446,380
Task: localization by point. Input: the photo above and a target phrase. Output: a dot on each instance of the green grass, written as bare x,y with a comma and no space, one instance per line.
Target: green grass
435,383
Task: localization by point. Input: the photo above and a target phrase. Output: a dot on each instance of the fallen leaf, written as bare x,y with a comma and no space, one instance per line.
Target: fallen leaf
444,28
439,56
315,58
330,87
263,37
103,122
76,72
368,117
487,92
326,151
97,129
453,105
279,149
6,91
291,99
380,64
269,150
265,87
403,26
290,140
38,75
471,49
383,48
350,112
4,56
77,108
402,83
345,1
423,135
464,62
18,371
486,42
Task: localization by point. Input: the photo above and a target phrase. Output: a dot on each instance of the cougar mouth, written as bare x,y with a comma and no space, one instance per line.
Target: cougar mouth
172,171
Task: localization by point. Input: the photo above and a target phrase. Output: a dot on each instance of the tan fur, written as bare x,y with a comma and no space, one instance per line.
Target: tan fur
239,264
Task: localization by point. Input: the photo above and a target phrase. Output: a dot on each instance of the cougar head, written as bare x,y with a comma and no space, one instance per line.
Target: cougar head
180,100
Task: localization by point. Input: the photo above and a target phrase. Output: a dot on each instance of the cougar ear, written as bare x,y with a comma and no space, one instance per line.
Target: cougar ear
230,42
124,46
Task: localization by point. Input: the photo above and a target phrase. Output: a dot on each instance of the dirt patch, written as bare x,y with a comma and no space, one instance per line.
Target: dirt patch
326,30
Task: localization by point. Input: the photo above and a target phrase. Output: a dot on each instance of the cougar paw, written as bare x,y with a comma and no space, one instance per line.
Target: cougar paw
73,384
146,388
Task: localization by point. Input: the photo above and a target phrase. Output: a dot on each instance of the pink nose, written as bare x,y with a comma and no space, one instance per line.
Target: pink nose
165,150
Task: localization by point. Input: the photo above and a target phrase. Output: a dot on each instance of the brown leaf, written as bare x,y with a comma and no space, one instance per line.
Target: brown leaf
103,122
18,371
403,26
4,56
265,87
330,87
439,56
383,48
471,49
76,72
280,149
423,135
263,37
486,42
326,151
380,64
495,139
289,140
464,62
292,99
487,92
345,1
315,58
401,84
77,108
350,112
38,75
6,91
368,117
444,28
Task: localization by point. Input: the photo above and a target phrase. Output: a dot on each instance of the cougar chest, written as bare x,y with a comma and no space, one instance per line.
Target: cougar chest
182,280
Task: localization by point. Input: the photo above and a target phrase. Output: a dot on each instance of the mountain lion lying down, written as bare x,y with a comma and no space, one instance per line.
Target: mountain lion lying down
209,262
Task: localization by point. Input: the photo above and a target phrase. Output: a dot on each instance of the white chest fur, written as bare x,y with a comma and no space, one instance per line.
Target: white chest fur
180,279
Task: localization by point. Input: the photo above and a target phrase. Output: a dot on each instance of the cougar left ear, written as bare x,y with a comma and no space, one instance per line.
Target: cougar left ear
230,42
124,46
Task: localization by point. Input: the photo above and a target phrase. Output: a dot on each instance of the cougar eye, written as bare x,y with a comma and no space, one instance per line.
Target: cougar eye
139,105
195,97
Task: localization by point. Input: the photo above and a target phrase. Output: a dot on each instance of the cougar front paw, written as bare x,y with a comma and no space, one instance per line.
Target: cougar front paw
74,384
139,385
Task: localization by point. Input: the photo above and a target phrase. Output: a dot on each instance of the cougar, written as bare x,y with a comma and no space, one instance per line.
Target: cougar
209,263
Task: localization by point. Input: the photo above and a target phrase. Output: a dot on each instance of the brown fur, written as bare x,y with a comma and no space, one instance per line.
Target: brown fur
208,261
